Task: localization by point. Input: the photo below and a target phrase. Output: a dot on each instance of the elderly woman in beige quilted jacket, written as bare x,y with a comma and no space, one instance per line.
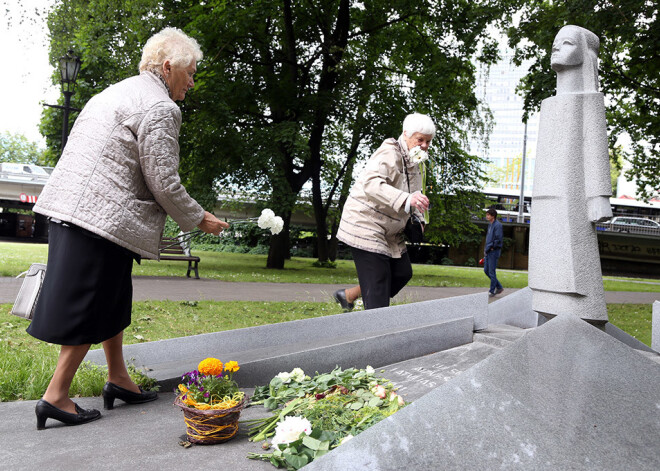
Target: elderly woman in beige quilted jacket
107,201
376,213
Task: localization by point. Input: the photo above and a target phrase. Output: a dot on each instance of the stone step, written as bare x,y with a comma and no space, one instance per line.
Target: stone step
499,335
258,367
356,339
416,377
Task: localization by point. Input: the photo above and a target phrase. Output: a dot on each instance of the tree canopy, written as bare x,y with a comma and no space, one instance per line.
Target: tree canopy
629,69
17,148
291,96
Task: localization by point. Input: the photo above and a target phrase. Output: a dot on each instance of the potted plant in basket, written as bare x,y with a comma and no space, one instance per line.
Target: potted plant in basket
211,401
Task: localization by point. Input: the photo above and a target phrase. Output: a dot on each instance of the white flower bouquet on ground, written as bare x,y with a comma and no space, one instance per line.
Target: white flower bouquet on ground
314,415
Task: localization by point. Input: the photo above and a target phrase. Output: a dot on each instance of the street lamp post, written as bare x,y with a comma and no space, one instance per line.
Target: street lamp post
521,201
69,68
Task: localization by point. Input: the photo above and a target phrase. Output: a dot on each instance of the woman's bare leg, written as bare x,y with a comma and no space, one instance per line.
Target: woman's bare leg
114,357
353,293
68,362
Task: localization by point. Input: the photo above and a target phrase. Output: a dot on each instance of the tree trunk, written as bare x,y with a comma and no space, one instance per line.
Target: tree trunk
279,249
333,242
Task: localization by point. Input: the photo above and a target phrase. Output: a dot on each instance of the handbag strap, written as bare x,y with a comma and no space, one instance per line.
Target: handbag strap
405,169
403,163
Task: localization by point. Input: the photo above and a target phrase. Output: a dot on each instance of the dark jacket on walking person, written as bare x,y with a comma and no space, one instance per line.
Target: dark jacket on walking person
492,251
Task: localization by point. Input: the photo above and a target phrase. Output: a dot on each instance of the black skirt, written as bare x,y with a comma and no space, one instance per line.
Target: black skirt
87,293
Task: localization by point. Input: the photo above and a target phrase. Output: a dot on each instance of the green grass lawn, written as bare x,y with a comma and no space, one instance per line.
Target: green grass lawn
16,258
26,364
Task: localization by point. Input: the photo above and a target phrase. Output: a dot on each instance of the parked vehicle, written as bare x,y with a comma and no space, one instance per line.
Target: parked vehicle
634,225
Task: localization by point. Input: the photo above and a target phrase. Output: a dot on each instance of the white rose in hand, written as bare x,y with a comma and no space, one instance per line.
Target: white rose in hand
417,155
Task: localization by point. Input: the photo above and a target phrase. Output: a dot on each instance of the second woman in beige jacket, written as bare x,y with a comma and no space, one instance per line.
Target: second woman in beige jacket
376,213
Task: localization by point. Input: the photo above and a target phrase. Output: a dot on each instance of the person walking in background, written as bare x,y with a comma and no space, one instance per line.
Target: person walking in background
376,213
492,251
107,200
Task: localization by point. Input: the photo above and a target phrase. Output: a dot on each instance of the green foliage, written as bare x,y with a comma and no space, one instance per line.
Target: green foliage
27,364
286,386
108,37
301,452
17,148
294,92
616,166
447,261
628,69
338,405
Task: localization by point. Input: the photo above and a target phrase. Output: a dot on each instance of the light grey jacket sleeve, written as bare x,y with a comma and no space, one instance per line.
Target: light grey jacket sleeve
158,144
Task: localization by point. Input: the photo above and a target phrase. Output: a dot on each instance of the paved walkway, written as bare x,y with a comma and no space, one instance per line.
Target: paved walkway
188,289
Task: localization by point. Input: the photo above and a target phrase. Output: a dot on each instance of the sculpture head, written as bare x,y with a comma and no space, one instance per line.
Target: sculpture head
575,52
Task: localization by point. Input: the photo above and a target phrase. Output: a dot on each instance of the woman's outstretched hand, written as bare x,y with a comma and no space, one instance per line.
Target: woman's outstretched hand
212,225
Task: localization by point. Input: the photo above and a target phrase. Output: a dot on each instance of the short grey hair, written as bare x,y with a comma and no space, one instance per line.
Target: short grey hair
169,44
417,122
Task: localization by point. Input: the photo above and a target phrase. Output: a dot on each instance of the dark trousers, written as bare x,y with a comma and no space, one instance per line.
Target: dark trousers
490,264
381,277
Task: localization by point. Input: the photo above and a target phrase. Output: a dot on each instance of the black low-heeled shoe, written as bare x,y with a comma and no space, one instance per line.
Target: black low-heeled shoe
45,410
340,297
111,392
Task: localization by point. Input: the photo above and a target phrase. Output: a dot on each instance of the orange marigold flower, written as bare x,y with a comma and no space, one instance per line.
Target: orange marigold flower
232,366
210,366
183,388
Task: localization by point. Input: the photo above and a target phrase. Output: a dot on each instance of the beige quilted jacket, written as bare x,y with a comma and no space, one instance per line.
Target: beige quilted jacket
118,176
374,214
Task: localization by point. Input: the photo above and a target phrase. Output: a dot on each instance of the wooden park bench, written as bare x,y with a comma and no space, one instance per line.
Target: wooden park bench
172,249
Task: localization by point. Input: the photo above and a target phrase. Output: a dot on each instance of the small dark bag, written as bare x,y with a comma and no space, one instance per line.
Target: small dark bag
413,230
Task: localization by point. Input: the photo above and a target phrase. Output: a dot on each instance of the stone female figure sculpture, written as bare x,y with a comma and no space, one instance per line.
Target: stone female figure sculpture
571,185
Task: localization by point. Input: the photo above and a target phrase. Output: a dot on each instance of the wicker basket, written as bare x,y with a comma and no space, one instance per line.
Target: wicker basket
208,427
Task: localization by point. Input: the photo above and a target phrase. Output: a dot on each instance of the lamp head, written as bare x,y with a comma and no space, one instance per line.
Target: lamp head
69,68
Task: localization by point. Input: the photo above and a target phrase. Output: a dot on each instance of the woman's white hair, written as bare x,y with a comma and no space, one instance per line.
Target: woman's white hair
169,44
420,123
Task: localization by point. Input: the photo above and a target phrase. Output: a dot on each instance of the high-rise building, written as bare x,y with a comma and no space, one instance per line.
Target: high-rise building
497,87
